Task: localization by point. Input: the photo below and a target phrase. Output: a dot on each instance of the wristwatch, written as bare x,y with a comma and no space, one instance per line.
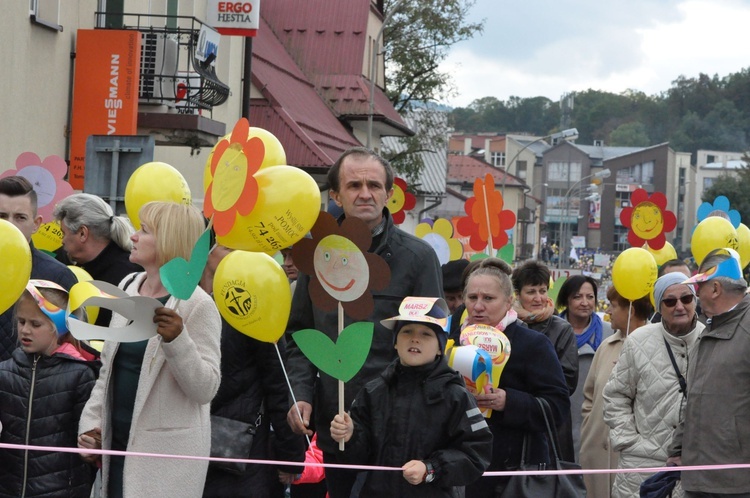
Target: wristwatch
429,474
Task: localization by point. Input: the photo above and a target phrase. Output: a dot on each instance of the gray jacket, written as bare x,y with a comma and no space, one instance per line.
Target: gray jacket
415,271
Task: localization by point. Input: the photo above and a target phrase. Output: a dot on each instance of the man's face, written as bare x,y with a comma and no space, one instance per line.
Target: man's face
454,299
18,210
706,296
362,189
73,243
677,318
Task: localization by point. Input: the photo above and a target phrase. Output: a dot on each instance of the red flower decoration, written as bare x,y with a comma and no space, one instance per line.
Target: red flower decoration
46,177
648,219
340,268
232,189
401,201
486,220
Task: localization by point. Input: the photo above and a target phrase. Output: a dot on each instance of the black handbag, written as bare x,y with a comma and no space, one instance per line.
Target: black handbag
232,439
536,486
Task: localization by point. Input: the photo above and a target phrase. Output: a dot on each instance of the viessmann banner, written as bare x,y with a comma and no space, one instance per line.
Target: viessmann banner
105,92
233,18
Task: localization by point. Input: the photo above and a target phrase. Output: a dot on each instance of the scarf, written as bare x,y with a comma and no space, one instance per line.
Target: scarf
510,317
592,334
527,316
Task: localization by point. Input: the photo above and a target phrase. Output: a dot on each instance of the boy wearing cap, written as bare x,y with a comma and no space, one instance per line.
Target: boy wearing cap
417,415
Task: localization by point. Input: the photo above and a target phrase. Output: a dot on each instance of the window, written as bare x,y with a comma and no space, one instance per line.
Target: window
521,169
638,174
564,172
710,158
620,242
708,183
45,13
497,159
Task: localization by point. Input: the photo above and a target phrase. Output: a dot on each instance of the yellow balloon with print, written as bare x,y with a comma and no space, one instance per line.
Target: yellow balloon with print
49,237
664,254
634,273
288,206
712,233
253,295
16,257
743,242
154,181
274,154
92,312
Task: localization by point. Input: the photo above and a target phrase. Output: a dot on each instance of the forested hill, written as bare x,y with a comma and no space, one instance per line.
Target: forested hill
694,113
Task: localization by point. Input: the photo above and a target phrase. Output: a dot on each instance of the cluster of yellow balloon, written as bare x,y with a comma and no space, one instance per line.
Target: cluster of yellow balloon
250,288
662,255
154,181
16,257
712,233
634,273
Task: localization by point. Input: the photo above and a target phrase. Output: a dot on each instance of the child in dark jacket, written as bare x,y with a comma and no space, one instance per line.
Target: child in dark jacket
43,388
417,415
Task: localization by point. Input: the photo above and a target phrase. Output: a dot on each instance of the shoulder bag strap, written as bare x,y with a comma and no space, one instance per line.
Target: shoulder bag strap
551,429
680,378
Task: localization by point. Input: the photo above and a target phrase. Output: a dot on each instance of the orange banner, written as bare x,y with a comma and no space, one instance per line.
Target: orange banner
105,93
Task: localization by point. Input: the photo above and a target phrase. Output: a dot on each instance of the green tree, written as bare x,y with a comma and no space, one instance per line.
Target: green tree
631,134
735,188
417,39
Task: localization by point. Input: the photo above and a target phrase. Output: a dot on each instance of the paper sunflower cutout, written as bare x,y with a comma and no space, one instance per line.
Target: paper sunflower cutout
720,208
47,179
340,268
486,222
440,238
232,189
648,219
401,201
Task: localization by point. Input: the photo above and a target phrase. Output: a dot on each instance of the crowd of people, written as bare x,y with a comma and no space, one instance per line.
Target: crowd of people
645,388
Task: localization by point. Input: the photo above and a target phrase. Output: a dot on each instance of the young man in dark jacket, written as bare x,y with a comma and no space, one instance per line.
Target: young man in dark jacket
417,415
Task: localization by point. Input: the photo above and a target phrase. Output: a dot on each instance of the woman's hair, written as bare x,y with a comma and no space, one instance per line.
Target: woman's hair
60,299
641,307
530,273
92,212
492,267
176,228
571,287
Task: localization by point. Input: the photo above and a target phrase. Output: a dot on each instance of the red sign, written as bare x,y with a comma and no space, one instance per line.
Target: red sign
105,93
233,18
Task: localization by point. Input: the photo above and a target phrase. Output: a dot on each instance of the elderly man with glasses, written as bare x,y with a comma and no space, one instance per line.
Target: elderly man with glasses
716,427
645,396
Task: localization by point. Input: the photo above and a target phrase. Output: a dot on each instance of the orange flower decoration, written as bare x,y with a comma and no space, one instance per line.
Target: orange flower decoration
401,201
486,221
233,189
648,219
340,268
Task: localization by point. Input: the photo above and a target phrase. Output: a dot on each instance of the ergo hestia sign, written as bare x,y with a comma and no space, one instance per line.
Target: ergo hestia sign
233,18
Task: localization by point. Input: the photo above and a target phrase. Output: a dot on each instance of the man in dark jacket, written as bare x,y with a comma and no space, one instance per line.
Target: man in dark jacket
714,429
18,205
361,184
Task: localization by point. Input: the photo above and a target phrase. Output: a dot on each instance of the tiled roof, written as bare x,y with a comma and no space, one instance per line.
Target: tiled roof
330,45
467,169
432,177
311,134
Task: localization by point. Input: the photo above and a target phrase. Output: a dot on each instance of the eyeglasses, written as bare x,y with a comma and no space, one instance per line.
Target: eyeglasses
671,302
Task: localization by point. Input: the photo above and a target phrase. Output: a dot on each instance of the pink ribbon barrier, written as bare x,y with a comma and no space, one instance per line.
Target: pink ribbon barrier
368,467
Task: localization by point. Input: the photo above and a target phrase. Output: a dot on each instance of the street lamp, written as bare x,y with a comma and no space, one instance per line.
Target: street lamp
373,68
605,173
537,230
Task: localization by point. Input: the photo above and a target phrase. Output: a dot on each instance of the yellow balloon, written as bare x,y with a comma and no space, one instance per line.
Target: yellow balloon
16,257
287,207
48,237
664,254
712,233
92,312
253,294
274,153
154,181
743,243
634,273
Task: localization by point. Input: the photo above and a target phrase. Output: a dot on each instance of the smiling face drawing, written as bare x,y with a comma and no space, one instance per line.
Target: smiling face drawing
647,221
341,268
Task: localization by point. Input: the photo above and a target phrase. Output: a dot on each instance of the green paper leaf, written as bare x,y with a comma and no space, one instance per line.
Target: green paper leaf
506,253
181,277
555,289
342,359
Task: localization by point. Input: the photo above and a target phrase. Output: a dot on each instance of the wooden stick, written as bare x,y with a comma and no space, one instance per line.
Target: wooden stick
341,382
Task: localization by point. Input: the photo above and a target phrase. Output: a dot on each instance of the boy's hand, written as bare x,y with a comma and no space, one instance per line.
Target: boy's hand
414,471
342,428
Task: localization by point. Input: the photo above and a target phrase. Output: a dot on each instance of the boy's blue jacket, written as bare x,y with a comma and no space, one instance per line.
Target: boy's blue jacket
419,413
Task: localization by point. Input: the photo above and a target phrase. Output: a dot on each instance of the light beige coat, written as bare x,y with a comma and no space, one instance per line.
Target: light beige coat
171,414
596,450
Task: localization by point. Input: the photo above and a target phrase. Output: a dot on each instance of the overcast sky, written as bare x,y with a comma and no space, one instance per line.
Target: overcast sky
547,48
